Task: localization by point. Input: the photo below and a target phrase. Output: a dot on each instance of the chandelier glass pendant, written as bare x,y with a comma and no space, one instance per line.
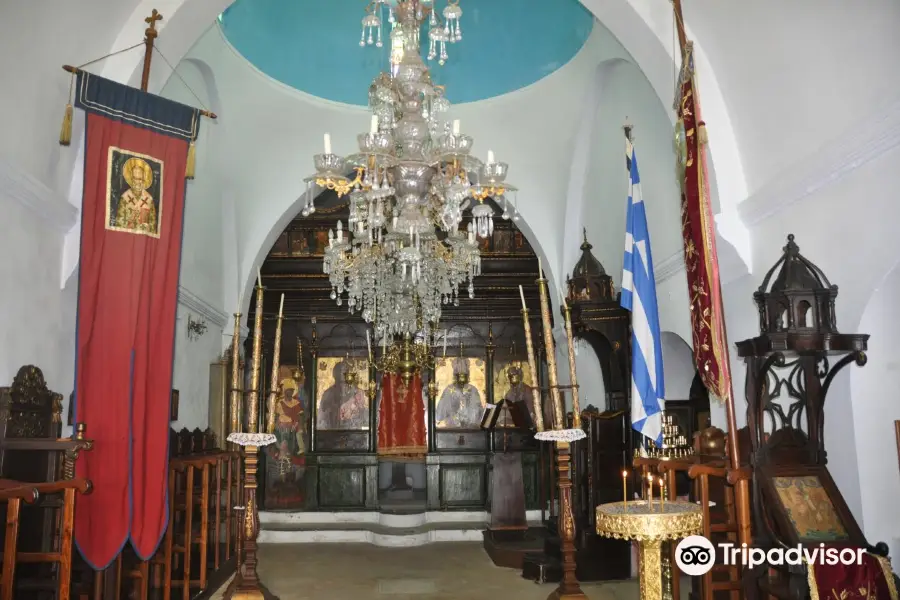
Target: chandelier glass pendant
402,254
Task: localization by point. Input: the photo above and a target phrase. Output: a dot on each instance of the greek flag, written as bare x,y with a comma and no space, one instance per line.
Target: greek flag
639,297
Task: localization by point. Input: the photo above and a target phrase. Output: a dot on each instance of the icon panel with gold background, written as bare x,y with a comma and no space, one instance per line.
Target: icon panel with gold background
461,384
342,400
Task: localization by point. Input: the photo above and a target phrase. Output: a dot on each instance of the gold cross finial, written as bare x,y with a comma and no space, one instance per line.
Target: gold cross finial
152,19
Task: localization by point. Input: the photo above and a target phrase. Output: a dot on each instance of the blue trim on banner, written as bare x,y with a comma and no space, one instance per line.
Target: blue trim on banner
129,105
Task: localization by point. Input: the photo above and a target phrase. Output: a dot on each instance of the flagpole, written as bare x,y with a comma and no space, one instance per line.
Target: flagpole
736,476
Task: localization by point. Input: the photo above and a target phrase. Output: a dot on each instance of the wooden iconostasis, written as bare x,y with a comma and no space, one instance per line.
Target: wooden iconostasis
326,419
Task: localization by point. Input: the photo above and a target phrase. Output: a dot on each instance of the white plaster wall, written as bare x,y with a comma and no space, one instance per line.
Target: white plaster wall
202,254
37,320
875,411
627,93
36,38
796,74
678,366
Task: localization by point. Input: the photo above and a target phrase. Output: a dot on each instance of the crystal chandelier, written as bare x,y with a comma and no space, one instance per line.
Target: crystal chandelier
402,255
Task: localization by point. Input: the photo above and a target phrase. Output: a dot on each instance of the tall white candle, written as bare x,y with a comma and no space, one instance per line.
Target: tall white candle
368,342
281,307
258,277
540,269
490,159
374,128
522,295
445,343
455,126
327,143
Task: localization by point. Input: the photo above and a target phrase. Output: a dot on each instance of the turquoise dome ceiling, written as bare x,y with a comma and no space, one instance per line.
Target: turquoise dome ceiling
313,45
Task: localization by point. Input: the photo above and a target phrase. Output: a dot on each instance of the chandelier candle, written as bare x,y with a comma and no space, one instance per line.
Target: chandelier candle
276,360
576,405
455,126
327,143
532,364
374,129
490,159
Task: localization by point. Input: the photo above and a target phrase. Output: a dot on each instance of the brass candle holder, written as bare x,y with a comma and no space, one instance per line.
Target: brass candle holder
237,391
532,364
274,387
576,404
569,587
246,584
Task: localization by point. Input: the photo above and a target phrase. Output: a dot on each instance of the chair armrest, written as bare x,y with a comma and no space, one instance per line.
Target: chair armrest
79,484
735,475
712,470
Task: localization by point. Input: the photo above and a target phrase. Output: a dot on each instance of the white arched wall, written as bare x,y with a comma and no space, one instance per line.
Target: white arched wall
678,366
638,24
873,389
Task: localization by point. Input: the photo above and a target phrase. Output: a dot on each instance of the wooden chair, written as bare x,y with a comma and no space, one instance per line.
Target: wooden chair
13,493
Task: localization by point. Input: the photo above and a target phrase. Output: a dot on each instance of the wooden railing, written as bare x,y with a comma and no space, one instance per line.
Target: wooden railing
199,549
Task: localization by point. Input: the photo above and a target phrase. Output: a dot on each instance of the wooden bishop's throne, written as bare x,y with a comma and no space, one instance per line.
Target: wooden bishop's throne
791,365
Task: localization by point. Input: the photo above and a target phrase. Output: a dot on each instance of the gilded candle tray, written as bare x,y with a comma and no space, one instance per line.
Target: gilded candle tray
635,521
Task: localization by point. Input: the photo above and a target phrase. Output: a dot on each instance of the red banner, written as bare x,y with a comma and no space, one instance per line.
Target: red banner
871,580
401,418
700,256
132,217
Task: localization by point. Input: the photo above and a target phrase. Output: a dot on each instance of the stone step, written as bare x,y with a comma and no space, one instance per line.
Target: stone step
380,529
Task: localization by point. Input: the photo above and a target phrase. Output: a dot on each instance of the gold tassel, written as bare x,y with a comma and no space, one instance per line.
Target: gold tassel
191,165
65,133
703,136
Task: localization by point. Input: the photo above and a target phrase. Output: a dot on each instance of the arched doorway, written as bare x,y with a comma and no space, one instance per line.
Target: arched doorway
338,467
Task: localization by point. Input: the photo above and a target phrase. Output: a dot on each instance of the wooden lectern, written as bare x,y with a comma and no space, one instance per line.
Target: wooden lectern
508,520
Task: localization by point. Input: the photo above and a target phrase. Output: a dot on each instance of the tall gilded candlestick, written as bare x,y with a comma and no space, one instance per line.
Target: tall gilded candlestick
236,383
555,398
576,405
246,583
532,364
253,400
276,363
569,587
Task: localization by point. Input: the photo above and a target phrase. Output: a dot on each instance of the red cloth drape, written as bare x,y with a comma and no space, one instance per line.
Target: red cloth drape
700,256
401,418
872,580
128,290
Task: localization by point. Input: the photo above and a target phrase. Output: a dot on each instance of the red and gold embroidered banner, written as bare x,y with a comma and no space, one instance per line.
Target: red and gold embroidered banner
871,580
698,231
401,418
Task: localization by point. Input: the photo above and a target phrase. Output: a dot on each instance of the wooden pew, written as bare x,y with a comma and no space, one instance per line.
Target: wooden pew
13,493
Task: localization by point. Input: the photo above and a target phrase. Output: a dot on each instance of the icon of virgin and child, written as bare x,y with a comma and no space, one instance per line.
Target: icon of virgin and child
344,404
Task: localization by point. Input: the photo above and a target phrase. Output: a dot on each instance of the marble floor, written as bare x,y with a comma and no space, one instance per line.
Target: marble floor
442,571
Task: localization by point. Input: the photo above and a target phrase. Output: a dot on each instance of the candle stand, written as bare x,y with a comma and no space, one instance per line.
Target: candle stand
650,524
246,584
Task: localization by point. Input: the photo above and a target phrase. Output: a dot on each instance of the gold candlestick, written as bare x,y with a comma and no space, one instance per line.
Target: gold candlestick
246,583
576,405
236,384
253,400
558,409
276,360
532,364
